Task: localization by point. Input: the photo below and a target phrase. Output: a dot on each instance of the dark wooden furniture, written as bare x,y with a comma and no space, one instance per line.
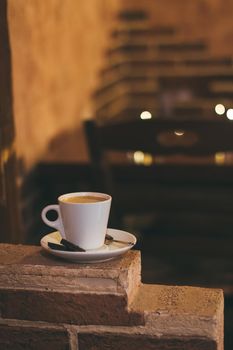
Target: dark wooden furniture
180,206
177,142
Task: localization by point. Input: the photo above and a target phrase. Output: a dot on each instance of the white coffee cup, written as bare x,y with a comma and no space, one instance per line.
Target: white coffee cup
82,218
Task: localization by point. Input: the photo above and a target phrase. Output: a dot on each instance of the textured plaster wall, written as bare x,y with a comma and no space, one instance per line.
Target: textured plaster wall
57,48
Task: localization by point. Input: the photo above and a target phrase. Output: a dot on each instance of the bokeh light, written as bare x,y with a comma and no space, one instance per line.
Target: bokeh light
179,132
220,109
138,157
220,158
230,113
145,115
142,158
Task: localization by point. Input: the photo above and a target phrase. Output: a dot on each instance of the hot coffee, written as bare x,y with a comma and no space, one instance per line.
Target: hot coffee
83,199
84,225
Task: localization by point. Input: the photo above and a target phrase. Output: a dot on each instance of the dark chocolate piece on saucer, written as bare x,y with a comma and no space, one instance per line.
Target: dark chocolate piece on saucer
71,246
56,246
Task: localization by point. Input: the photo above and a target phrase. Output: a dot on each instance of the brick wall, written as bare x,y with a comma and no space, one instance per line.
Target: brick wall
46,303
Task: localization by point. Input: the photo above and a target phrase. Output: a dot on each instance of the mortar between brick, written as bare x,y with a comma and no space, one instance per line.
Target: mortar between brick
40,282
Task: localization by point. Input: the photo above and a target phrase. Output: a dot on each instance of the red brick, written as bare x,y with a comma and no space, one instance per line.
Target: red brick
182,311
33,338
29,267
75,308
90,341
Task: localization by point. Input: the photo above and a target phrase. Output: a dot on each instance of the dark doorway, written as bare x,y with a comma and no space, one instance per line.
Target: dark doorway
9,215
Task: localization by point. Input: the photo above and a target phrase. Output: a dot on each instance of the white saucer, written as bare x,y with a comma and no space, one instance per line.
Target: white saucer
106,252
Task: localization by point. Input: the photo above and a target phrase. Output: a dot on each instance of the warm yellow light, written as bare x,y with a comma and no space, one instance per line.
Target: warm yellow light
148,159
145,115
142,158
230,113
220,109
179,133
220,158
138,157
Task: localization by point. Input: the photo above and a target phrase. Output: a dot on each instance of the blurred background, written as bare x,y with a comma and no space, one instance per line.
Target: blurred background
75,74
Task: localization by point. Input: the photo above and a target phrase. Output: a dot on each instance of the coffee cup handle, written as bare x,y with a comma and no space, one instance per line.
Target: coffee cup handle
55,223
